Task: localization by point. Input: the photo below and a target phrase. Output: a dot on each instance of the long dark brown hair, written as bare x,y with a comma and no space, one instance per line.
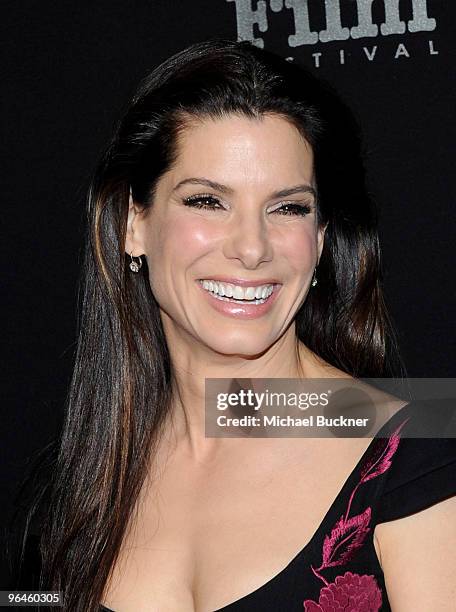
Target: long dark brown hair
120,393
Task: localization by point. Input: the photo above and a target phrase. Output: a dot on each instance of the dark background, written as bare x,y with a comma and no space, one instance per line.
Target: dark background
67,71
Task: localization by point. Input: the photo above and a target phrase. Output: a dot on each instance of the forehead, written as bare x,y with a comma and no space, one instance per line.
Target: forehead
237,150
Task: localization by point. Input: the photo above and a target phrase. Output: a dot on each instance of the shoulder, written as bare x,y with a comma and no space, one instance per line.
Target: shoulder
422,468
416,526
418,557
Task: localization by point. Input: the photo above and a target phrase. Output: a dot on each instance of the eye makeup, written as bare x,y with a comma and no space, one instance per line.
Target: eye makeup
207,201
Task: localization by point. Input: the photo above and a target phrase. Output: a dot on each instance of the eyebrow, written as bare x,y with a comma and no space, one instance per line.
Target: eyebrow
282,193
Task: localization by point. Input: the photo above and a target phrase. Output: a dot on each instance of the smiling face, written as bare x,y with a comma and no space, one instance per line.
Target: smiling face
238,206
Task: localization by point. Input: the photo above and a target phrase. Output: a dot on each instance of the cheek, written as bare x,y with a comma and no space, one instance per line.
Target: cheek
299,247
180,240
194,235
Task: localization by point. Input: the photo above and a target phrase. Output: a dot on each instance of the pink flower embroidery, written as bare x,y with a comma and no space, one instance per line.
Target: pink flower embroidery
350,593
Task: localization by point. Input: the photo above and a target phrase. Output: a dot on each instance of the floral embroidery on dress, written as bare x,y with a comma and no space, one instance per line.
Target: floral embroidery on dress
352,592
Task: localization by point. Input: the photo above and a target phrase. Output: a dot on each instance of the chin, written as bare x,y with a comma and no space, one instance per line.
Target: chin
247,345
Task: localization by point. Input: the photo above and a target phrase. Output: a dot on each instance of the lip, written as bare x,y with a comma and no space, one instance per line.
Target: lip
242,282
241,311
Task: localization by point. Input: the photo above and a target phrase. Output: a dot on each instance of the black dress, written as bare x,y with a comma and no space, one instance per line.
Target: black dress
397,475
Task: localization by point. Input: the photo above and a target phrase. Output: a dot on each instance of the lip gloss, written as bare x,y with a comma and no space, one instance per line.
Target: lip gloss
241,311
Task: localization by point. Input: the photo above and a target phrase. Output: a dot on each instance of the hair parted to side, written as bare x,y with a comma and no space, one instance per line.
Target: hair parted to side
120,393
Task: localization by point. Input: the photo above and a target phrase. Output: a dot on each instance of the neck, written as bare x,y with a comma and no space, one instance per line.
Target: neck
192,363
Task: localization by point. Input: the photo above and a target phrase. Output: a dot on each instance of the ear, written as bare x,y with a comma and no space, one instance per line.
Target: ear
133,239
320,240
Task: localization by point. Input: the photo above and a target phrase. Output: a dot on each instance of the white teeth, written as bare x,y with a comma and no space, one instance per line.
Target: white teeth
236,292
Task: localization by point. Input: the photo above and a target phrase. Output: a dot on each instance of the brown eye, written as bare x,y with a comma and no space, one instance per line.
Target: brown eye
294,209
202,201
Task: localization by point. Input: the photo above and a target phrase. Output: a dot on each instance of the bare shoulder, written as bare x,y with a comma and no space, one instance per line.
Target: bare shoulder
419,552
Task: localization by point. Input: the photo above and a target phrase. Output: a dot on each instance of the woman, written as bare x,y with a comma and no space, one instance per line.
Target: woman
235,167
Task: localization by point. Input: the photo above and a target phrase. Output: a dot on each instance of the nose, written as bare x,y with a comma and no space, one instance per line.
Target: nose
248,240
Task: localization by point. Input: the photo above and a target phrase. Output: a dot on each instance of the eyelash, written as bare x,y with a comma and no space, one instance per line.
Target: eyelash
196,202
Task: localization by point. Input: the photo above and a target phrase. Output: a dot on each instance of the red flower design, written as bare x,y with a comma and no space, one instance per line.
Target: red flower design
348,593
352,592
345,539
